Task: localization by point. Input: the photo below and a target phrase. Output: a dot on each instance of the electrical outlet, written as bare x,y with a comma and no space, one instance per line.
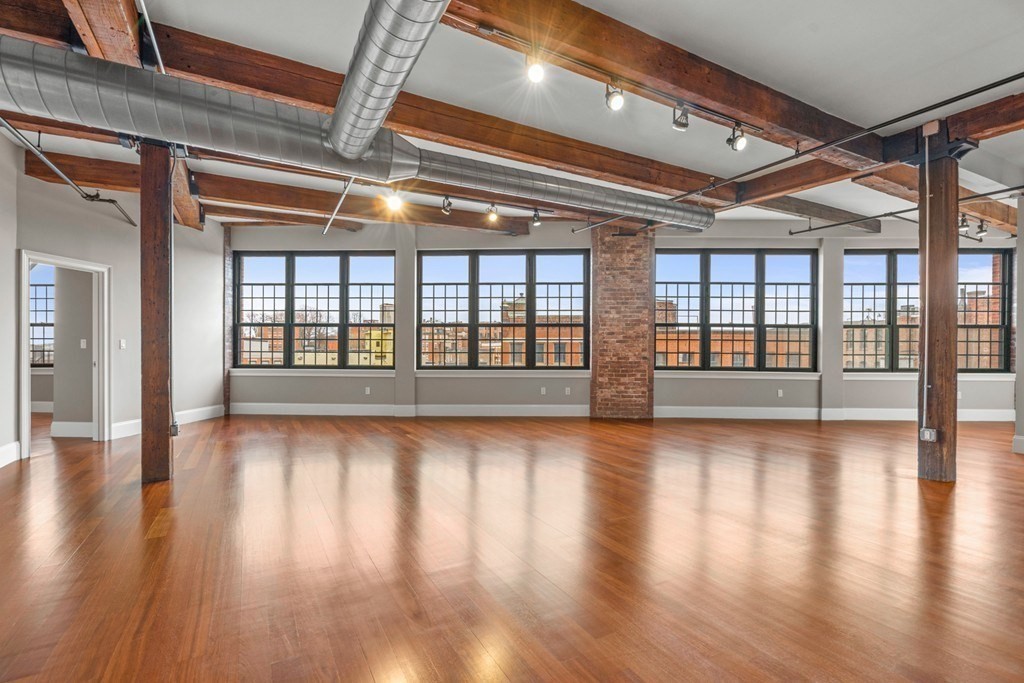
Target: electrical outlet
929,434
367,391
780,393
543,391
83,343
568,391
123,344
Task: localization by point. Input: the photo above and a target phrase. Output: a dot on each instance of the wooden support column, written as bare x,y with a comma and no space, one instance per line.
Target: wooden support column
939,240
622,345
155,240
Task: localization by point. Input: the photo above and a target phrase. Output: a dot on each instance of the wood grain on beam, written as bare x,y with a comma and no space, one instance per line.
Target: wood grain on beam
988,120
42,21
795,206
186,207
98,174
242,69
804,176
37,124
265,215
223,189
349,226
600,47
901,181
108,28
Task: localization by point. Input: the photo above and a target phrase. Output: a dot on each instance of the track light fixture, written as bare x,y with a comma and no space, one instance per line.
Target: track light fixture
982,228
534,68
964,226
613,97
394,202
680,117
737,141
492,213
446,206
535,222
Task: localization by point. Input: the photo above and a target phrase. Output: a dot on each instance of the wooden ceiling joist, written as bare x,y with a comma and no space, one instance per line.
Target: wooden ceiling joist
43,21
902,181
594,45
124,177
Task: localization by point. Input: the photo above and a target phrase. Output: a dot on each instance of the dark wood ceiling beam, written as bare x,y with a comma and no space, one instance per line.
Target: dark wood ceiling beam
803,208
902,181
43,21
988,120
349,226
116,176
597,46
802,176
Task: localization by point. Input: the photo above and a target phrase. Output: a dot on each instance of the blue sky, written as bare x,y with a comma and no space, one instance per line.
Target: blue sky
320,269
503,268
734,268
41,275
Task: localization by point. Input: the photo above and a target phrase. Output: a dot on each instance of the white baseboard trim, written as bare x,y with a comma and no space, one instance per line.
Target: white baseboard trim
982,415
737,413
910,414
365,409
499,410
199,414
405,410
10,453
134,427
832,414
42,406
80,430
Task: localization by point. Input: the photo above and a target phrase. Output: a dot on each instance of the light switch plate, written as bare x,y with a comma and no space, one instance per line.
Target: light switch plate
83,343
123,344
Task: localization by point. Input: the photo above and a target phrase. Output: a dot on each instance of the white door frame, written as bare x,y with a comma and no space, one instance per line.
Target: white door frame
101,414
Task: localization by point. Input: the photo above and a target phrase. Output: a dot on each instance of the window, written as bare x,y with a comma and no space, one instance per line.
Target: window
314,310
503,310
881,310
42,291
751,310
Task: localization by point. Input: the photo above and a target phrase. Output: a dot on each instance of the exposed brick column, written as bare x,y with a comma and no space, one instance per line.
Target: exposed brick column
622,327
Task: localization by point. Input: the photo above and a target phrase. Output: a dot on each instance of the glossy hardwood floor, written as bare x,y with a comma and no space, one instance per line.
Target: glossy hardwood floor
491,549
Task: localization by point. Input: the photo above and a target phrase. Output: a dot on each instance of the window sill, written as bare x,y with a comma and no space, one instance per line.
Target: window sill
912,376
311,372
42,371
494,374
737,374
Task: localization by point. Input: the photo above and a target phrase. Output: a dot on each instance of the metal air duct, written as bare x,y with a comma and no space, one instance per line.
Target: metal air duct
65,86
393,35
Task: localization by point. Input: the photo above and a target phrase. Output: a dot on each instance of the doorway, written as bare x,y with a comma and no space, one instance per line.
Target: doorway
81,384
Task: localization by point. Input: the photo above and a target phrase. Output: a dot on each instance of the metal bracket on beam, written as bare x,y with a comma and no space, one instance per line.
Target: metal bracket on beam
939,146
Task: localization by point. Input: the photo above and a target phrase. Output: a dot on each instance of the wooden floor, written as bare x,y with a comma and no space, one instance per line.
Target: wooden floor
492,549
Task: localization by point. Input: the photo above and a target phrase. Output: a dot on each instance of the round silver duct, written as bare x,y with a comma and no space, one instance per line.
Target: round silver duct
393,35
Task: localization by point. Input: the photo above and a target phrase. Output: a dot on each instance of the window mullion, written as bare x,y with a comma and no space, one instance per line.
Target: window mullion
474,312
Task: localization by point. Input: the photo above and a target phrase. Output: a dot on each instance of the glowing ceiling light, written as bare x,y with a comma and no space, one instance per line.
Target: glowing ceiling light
737,141
394,202
534,69
613,97
492,213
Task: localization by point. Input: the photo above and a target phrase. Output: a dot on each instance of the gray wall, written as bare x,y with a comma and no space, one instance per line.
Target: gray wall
42,387
53,220
9,172
828,393
72,365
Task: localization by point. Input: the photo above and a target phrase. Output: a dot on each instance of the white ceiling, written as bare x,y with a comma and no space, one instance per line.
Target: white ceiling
865,61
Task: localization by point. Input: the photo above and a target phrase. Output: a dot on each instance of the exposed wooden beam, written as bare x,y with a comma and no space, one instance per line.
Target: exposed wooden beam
797,178
116,176
988,120
217,188
592,44
265,215
901,181
36,124
186,207
108,28
801,207
350,226
238,68
44,21
155,277
124,177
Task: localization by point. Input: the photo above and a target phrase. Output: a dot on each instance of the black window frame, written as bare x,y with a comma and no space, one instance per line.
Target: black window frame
343,324
51,288
759,325
473,325
892,298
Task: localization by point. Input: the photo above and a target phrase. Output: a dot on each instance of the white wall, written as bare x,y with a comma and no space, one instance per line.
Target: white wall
9,172
53,220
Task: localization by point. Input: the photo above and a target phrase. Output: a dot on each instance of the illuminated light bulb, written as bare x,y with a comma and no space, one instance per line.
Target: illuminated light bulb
394,202
737,141
492,213
534,69
613,98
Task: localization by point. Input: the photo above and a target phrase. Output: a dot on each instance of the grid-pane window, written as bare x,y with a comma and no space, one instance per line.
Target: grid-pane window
503,309
444,310
314,310
560,328
983,302
42,293
750,310
882,310
371,312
